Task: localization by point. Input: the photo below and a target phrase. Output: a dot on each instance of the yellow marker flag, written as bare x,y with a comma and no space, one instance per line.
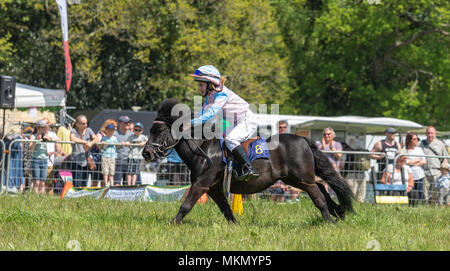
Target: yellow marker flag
237,204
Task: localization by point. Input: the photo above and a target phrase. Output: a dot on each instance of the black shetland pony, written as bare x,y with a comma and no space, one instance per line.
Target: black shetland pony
296,161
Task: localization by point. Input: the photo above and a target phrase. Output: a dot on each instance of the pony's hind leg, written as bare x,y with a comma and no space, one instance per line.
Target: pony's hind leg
317,197
334,209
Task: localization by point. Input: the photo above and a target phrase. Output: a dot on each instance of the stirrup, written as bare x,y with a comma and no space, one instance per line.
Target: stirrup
248,175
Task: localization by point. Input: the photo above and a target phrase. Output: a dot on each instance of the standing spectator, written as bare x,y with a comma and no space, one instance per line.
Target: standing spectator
443,185
85,139
109,155
64,135
40,157
96,155
135,154
432,146
328,144
416,163
53,149
389,147
282,127
122,135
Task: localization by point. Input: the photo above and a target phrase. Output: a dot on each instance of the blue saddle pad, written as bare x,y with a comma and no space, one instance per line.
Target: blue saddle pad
256,150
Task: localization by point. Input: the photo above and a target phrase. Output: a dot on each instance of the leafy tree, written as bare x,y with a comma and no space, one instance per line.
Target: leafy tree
369,57
138,53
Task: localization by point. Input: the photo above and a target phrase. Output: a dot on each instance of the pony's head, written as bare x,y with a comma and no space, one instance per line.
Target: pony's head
160,139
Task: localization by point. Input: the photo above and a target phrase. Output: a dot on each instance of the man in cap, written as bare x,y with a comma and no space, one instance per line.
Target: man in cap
122,135
389,147
135,153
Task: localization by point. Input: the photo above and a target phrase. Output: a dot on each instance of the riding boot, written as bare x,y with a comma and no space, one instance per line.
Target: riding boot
247,169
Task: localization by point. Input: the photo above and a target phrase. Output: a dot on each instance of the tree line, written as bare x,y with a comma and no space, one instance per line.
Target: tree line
313,57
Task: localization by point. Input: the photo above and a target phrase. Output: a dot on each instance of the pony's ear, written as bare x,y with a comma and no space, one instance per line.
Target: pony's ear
165,107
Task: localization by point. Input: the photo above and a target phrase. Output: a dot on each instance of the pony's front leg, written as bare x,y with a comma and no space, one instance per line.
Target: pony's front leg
195,192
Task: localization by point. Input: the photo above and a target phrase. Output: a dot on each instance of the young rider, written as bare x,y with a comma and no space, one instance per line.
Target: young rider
219,98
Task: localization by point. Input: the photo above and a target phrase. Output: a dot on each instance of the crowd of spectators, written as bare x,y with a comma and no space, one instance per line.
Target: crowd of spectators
422,172
112,157
426,178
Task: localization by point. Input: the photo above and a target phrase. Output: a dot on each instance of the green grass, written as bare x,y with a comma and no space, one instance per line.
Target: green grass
31,222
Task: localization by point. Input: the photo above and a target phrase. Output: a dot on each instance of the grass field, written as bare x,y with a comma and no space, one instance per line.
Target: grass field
31,222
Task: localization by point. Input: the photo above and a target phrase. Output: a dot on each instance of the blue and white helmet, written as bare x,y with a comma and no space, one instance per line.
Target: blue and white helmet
207,73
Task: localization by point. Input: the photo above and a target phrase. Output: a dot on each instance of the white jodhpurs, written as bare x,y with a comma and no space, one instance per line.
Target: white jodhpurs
244,129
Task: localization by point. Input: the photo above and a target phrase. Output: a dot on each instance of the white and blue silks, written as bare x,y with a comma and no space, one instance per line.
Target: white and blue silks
235,110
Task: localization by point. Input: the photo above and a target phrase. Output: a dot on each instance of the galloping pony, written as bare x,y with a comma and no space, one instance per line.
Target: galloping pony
295,160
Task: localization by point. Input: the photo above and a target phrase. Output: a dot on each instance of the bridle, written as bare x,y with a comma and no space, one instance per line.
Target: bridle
162,150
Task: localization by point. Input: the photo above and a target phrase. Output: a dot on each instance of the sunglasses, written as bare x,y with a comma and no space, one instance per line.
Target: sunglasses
138,130
325,134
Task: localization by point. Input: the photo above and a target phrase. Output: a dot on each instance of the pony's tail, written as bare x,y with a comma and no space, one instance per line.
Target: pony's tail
326,172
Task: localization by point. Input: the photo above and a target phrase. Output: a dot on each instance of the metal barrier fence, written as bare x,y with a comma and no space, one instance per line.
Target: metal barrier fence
27,170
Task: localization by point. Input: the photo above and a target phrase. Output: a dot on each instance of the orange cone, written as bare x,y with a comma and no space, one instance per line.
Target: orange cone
203,198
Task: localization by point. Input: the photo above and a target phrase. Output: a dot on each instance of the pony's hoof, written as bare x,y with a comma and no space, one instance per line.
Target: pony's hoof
174,222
